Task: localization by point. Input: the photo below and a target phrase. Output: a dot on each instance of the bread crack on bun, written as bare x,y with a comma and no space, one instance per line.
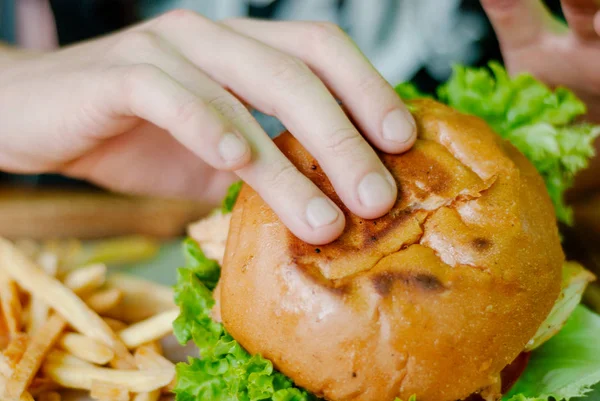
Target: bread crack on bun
434,299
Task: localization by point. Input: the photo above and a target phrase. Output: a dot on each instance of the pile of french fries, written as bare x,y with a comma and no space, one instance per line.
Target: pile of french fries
70,327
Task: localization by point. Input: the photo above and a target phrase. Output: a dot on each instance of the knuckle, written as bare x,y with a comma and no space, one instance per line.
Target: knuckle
372,84
179,16
181,19
288,71
186,110
344,142
282,174
136,43
227,105
325,31
322,34
137,75
140,74
231,109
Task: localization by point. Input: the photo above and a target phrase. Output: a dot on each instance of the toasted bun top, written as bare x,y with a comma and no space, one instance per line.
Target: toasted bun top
433,299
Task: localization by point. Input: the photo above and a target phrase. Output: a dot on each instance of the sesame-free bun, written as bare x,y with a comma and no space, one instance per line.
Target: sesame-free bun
433,299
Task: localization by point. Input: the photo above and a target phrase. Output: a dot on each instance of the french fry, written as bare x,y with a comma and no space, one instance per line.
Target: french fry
147,358
4,333
142,299
155,346
24,315
5,366
104,391
49,396
42,384
39,310
57,356
104,300
10,303
15,349
62,300
149,396
114,324
149,330
85,279
38,313
56,291
26,396
73,373
86,348
32,359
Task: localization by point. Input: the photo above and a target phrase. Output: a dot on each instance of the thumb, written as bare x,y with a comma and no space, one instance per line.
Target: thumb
517,23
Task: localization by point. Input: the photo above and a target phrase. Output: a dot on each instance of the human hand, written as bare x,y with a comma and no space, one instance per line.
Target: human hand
160,109
534,41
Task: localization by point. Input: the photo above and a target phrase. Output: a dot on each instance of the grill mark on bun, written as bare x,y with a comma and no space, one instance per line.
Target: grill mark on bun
482,244
384,282
369,232
312,273
423,174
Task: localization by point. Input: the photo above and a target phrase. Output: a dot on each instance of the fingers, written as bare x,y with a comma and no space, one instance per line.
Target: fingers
282,85
597,23
517,23
156,97
580,17
326,49
300,205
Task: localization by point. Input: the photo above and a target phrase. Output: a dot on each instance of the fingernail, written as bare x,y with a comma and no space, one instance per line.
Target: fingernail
320,212
399,126
232,148
375,191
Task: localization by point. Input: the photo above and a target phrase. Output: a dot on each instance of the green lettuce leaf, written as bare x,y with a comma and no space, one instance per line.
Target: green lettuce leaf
566,366
412,398
408,91
538,121
225,372
231,197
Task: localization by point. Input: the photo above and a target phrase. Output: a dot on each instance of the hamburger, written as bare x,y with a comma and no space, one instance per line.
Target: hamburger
457,293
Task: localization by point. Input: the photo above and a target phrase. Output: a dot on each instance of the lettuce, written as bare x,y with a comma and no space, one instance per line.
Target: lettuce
408,91
231,197
225,371
535,119
566,366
